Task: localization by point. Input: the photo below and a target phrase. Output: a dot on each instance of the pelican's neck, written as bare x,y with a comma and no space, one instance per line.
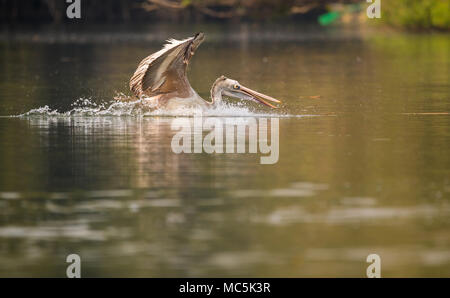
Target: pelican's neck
216,91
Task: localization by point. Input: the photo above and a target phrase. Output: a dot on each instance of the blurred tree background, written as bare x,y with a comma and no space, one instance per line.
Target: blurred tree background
418,14
414,14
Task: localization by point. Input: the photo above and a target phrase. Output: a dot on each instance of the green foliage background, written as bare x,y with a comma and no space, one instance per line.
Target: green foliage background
409,14
417,14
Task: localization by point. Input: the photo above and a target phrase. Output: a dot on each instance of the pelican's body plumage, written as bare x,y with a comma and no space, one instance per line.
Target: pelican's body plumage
162,79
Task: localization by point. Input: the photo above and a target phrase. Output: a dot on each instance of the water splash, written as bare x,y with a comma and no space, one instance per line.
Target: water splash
127,106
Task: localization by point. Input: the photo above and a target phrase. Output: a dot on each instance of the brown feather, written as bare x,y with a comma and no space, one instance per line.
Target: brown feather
164,71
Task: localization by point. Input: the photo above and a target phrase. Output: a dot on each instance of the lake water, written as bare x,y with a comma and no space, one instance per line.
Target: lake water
363,167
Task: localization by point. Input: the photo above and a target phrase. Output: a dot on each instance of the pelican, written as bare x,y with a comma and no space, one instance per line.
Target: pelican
162,79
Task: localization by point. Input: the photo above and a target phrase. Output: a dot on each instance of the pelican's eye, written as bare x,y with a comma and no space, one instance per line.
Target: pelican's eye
236,87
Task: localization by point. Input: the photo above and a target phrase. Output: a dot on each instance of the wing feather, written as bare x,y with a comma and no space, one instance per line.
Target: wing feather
160,72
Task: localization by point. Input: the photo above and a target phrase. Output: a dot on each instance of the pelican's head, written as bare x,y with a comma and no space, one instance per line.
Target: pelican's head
232,88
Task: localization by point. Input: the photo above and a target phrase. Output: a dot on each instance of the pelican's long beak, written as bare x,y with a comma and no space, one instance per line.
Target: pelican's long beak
261,98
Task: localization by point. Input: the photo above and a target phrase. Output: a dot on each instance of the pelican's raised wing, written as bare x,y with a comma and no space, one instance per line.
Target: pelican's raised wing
165,70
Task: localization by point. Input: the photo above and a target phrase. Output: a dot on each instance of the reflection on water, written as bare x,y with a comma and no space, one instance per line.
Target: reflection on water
363,164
